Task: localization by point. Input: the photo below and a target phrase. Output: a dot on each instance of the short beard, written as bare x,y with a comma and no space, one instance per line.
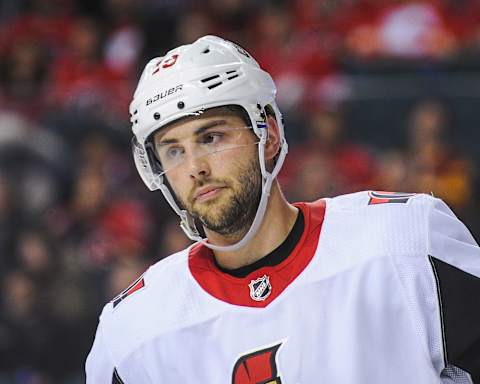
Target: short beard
237,216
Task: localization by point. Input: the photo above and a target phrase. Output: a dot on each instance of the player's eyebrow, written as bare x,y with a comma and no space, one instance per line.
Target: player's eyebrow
197,131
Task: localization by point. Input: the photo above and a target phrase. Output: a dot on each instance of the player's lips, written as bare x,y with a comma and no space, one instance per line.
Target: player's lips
207,192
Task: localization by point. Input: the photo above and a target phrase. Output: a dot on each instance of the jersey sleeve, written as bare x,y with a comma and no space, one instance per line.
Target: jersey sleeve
454,256
99,367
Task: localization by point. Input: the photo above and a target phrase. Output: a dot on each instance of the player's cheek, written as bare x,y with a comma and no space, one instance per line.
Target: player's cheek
179,187
229,162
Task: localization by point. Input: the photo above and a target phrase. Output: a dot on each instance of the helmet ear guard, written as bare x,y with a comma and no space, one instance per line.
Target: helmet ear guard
154,181
142,162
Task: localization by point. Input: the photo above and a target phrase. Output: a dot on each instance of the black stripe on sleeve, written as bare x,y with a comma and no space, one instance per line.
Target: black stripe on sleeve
459,301
116,379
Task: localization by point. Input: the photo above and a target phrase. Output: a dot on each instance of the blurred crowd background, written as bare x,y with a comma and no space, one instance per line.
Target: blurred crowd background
376,94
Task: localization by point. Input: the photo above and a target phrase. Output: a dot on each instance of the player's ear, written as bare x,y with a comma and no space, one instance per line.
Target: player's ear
272,146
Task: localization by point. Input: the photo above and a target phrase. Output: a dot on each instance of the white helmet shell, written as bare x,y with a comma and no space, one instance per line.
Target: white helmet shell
208,73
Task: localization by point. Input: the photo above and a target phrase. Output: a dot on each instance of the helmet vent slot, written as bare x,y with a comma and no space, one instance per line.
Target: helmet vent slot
209,78
206,50
214,85
233,74
214,81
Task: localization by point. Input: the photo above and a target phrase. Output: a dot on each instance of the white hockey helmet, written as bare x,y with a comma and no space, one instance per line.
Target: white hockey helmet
210,72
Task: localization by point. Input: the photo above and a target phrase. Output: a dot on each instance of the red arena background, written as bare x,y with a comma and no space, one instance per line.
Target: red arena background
377,94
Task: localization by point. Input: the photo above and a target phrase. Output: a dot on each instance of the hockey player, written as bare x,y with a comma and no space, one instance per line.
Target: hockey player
371,287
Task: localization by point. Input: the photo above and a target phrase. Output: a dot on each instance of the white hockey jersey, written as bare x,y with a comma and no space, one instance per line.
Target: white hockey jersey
381,288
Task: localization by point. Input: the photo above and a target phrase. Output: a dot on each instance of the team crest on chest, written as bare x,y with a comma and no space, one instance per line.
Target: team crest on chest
260,288
257,367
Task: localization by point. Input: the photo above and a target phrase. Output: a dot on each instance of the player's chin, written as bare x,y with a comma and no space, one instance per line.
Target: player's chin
210,211
207,210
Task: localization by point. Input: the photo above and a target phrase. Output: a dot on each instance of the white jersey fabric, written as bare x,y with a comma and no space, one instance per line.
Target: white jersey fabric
374,293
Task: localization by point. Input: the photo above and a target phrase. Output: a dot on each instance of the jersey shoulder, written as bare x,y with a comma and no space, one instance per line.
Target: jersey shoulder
162,299
379,223
415,214
152,279
381,200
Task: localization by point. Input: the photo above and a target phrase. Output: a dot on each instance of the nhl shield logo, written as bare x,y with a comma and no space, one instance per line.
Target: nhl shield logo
260,288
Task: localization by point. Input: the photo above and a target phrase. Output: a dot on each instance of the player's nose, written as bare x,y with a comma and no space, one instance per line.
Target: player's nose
198,166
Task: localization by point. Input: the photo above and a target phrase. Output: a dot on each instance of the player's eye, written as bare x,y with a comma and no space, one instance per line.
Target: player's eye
211,138
173,153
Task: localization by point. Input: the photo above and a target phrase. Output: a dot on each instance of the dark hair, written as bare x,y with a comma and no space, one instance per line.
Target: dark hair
239,111
234,110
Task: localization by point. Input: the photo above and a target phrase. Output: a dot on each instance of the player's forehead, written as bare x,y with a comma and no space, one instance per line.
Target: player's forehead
188,125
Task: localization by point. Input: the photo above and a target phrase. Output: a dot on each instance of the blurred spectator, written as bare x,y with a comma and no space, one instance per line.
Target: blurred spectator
80,79
23,72
405,29
124,41
295,60
36,256
101,220
313,176
126,226
35,158
172,239
46,21
392,172
437,165
26,330
351,164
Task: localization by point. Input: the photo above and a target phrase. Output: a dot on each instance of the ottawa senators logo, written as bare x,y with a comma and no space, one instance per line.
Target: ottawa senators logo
381,197
258,367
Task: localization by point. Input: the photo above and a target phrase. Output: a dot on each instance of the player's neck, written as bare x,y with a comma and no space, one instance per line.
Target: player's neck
277,223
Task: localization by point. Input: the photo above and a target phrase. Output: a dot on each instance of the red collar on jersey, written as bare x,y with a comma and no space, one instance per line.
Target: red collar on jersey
235,290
